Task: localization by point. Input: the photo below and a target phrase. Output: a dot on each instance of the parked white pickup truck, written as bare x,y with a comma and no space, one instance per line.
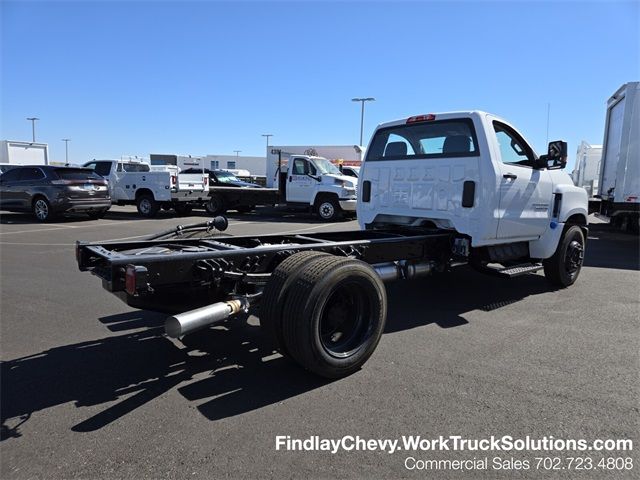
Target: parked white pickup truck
134,183
436,192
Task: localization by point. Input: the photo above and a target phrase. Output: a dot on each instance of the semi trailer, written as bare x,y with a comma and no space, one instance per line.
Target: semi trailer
437,191
620,166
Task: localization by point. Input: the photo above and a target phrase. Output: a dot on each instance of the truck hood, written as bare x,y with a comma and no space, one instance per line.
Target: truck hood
351,181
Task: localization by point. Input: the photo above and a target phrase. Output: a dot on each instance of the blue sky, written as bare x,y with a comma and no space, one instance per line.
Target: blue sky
210,77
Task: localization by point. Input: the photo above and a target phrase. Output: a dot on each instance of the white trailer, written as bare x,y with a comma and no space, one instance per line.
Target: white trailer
13,152
620,171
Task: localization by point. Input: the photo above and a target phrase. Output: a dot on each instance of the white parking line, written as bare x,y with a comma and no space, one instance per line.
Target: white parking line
61,227
29,231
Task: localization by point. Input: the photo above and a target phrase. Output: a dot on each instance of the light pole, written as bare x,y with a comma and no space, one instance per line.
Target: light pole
33,127
237,152
362,100
267,135
66,150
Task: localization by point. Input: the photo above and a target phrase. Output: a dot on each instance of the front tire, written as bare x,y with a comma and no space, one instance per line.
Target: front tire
328,209
563,268
334,316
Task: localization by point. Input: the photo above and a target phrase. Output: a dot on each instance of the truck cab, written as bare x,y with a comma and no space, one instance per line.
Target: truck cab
318,183
471,172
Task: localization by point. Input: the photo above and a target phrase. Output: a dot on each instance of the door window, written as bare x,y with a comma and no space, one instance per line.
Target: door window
30,174
513,149
11,175
299,167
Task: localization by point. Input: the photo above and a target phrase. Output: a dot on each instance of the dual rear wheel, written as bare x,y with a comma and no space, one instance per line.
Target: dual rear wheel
327,313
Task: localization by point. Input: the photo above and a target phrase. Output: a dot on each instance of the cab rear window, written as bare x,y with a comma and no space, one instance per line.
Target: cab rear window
431,139
77,174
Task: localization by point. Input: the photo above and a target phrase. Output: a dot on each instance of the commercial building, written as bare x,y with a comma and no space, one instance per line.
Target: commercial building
256,166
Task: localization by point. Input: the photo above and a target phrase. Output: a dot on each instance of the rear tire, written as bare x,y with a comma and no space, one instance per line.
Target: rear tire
334,316
215,205
147,205
563,268
42,209
276,291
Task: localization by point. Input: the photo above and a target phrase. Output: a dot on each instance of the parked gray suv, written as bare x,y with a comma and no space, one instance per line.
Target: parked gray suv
47,190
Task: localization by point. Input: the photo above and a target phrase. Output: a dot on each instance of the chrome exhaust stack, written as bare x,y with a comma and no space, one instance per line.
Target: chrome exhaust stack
389,272
187,322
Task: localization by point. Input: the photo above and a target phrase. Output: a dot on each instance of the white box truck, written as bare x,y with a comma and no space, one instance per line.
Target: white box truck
13,152
620,171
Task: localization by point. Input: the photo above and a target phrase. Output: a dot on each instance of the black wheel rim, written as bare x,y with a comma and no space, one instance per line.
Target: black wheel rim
574,257
345,320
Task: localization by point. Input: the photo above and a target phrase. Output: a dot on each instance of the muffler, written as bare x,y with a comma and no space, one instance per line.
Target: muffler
389,272
187,322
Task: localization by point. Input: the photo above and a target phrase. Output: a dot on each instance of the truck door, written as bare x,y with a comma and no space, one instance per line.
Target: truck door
300,184
525,192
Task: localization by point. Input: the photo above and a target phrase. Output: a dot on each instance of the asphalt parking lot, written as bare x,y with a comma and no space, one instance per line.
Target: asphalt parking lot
92,389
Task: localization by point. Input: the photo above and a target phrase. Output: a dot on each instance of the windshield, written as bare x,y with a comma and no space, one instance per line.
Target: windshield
324,166
226,177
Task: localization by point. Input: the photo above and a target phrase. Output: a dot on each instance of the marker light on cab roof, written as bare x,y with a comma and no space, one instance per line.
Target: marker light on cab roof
421,118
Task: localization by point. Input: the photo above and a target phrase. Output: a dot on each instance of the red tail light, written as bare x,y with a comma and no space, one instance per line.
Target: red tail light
174,179
421,118
130,280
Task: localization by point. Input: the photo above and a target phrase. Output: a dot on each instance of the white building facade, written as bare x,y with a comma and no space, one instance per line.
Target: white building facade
256,166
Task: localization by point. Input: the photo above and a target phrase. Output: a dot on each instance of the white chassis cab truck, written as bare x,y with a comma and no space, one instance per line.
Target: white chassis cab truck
134,183
436,191
316,183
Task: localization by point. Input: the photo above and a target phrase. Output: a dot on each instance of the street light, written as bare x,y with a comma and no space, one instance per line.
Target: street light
362,100
237,152
267,135
33,127
66,150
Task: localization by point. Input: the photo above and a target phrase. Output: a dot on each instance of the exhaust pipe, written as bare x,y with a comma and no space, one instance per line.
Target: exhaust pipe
187,322
389,272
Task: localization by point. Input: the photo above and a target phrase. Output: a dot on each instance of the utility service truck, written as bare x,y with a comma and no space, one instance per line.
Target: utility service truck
436,191
133,183
620,165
